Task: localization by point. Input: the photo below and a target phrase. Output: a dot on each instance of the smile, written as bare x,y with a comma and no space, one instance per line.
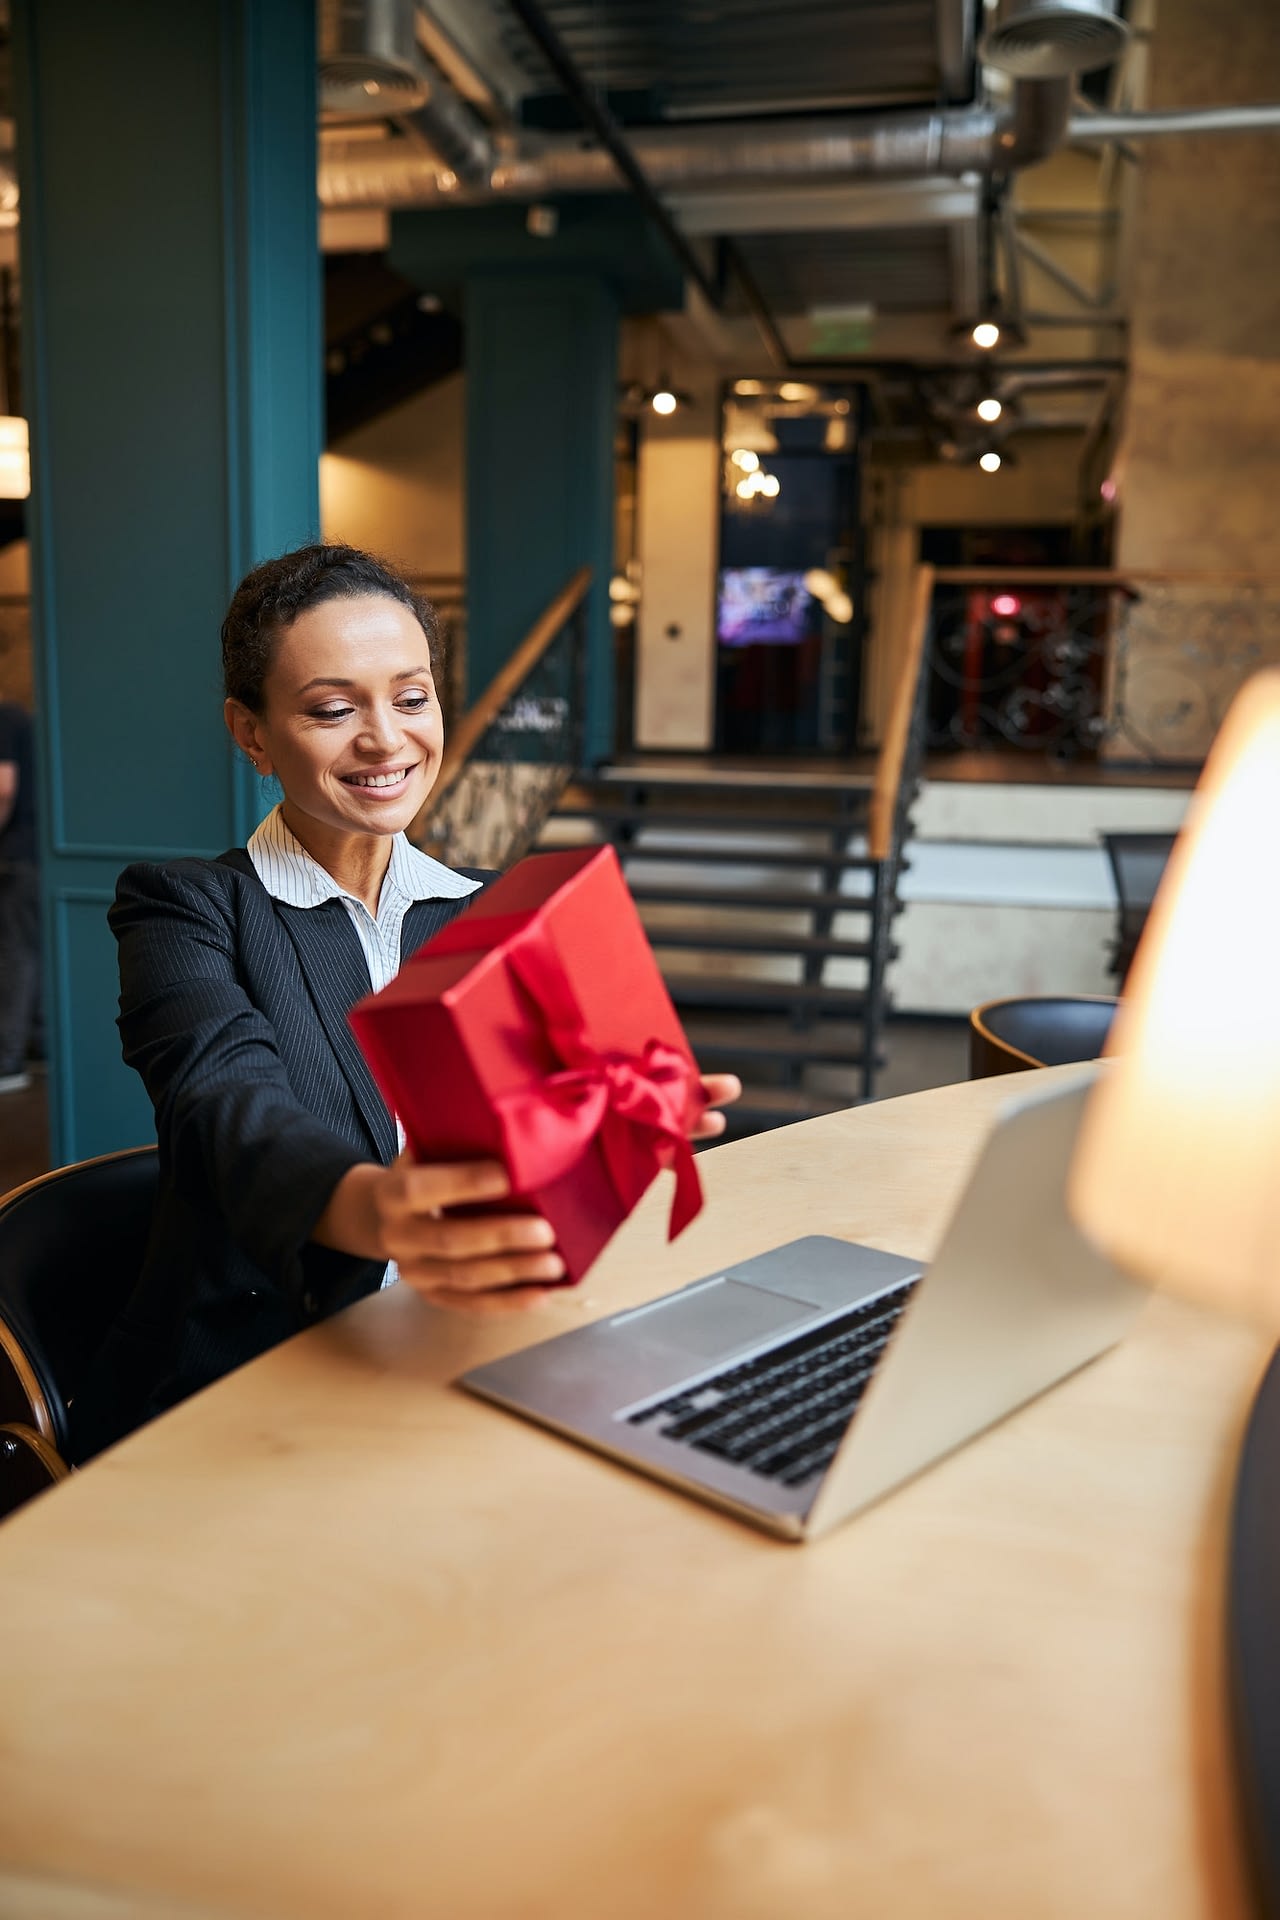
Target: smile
378,782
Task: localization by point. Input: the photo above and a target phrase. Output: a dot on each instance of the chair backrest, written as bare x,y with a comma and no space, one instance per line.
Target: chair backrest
71,1248
1040,1030
1138,862
28,1465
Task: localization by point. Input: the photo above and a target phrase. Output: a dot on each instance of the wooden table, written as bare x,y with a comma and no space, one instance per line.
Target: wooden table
336,1640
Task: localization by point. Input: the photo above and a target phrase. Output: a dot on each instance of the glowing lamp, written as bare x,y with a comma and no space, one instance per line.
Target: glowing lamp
1006,605
1176,1173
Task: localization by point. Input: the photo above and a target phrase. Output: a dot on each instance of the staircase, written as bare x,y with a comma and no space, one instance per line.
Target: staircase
769,917
768,893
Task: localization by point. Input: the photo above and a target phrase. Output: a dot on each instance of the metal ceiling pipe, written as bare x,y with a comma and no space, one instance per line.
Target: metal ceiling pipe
1141,126
901,146
368,55
452,132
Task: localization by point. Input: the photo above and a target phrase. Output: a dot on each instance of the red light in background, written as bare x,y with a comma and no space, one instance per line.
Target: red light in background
1006,605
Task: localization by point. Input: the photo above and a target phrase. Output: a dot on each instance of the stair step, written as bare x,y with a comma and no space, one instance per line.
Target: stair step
806,946
767,899
734,779
730,819
704,990
756,1040
759,856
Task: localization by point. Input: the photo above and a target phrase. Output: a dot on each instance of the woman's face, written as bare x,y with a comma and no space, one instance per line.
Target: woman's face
350,725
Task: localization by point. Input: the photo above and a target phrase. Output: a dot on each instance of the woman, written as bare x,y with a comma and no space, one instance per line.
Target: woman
283,1194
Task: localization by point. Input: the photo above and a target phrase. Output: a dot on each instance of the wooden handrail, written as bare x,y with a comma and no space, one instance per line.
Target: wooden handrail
467,734
891,761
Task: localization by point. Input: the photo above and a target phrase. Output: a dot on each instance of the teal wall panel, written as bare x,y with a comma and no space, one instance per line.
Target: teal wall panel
172,379
103,1106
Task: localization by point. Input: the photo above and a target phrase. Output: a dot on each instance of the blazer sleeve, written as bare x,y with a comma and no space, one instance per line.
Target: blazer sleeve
232,1132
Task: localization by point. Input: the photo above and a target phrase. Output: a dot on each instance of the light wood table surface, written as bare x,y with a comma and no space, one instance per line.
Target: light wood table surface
335,1639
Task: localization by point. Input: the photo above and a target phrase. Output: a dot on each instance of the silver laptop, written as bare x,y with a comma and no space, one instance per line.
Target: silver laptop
796,1387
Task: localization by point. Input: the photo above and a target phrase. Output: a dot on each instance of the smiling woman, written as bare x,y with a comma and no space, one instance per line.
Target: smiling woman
284,1192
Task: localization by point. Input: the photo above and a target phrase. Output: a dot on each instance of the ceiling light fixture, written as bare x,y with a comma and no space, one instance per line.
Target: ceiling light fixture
15,456
990,461
986,334
990,409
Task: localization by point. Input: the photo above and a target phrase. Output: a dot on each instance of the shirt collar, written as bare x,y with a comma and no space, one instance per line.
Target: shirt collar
290,875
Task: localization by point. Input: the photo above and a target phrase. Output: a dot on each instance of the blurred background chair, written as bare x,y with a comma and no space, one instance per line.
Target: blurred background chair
1040,1030
1137,866
71,1248
28,1465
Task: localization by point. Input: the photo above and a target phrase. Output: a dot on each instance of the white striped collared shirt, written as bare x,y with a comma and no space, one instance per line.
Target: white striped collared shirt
289,874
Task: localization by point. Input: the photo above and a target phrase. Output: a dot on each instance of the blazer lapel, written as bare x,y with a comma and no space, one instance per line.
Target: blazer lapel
426,917
333,965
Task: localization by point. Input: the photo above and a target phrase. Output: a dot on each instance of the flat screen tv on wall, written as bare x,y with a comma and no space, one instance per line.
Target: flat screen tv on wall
763,604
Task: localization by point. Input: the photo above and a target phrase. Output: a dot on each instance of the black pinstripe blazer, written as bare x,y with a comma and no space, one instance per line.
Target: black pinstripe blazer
233,1008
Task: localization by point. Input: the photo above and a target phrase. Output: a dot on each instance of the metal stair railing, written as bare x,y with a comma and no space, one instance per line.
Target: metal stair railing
896,781
513,753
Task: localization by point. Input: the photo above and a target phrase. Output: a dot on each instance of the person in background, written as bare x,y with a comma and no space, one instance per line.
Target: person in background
283,1191
19,898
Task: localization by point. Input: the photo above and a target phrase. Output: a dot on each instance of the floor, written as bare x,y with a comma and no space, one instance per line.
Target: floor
918,1054
24,1133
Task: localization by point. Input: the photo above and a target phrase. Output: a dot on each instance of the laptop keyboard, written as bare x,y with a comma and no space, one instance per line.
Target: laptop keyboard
784,1413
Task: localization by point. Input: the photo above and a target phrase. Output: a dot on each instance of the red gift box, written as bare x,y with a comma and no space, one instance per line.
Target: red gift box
536,1029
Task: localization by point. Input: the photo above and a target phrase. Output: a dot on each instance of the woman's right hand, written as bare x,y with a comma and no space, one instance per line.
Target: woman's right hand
482,1263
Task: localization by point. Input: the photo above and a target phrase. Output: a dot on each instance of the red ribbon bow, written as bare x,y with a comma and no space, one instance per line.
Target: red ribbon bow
637,1106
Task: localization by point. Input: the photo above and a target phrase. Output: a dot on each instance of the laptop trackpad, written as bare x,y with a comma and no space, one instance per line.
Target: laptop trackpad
716,1319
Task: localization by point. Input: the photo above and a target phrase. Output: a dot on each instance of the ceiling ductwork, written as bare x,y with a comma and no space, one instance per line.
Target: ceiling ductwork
1054,39
369,58
889,146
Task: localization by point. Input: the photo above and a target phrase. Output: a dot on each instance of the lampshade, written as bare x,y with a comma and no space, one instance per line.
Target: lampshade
1176,1174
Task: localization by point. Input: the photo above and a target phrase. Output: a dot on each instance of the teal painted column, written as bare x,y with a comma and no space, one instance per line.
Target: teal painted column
171,331
541,315
542,356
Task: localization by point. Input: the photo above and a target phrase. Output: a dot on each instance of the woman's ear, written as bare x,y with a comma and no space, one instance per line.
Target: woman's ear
244,730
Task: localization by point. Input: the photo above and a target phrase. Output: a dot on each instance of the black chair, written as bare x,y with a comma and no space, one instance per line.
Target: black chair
28,1466
1042,1030
71,1247
1137,867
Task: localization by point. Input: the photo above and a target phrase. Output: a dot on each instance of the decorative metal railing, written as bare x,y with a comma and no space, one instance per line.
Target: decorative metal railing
1092,663
508,759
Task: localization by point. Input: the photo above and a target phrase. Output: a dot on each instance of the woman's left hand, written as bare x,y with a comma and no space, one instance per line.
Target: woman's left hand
719,1090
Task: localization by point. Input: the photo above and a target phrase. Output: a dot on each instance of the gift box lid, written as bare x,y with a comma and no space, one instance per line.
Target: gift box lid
573,905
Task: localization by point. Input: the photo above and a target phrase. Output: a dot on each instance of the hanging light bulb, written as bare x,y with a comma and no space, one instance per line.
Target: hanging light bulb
664,401
15,459
15,456
990,461
744,458
989,409
986,335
